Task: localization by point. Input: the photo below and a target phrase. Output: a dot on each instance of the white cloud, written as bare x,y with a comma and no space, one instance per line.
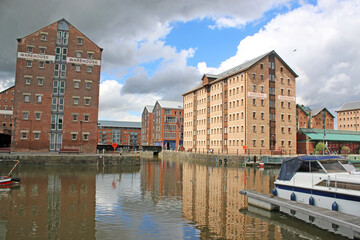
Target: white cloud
122,107
326,39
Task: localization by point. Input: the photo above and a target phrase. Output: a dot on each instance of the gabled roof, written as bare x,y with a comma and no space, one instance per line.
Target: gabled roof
171,104
243,67
302,109
149,108
349,106
123,124
7,89
319,110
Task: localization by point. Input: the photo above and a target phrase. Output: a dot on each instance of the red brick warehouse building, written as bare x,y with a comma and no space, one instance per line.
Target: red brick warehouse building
56,90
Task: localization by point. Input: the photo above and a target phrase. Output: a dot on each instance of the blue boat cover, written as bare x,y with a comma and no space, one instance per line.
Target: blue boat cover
291,165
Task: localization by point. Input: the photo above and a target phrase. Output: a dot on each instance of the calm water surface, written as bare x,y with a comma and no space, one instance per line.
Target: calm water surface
154,200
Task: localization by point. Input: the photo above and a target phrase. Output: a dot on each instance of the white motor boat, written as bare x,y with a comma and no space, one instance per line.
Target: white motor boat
330,182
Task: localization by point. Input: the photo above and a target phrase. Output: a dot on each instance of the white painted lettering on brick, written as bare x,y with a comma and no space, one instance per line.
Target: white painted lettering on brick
34,56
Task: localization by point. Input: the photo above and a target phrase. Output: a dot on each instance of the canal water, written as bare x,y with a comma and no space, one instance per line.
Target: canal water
153,200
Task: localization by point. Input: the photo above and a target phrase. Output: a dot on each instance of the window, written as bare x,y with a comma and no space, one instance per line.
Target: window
282,104
288,92
87,100
86,118
76,83
78,54
77,68
262,102
262,129
89,69
75,117
28,63
254,102
27,98
86,136
254,88
289,118
25,115
38,98
27,80
24,134
79,40
43,36
37,115
289,105
253,76
261,88
261,65
254,128
40,81
42,50
74,136
41,64
281,69
282,91
76,100
282,130
282,117
282,80
254,143
254,115
262,115
289,130
36,135
30,49
90,55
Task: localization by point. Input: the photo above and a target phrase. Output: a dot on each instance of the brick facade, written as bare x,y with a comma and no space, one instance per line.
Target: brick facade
348,116
125,134
56,90
251,106
6,110
147,126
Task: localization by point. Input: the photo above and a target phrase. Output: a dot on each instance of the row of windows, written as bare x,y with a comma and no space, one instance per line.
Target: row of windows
60,69
344,119
350,112
233,143
36,136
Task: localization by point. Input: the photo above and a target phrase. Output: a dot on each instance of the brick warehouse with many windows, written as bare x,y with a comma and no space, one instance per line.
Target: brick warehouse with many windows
250,108
56,90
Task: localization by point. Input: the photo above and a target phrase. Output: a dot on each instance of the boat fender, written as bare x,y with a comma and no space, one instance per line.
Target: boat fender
274,192
335,207
311,201
293,197
225,160
220,161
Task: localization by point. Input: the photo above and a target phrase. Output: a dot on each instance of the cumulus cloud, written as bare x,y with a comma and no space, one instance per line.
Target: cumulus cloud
327,54
122,107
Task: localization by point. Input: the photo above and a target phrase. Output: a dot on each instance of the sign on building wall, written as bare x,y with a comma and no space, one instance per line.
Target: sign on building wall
257,95
34,56
286,98
83,61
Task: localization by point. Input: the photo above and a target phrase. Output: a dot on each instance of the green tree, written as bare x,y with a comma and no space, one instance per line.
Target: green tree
319,148
345,150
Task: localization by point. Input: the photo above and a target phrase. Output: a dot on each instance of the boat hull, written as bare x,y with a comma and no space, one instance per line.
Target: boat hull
346,203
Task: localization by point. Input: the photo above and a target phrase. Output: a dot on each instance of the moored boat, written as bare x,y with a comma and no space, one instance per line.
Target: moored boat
9,180
330,182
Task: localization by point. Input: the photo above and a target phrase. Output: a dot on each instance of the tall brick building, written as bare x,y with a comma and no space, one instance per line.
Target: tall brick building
147,126
348,116
56,90
168,119
6,109
251,106
125,134
320,118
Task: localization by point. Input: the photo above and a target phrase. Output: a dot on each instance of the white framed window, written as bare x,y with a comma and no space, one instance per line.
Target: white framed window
88,84
89,69
26,97
90,55
86,117
42,50
87,100
24,134
77,68
79,40
41,64
86,136
38,115
28,63
39,98
25,115
44,36
36,135
27,80
40,81
77,83
74,136
75,117
76,100
78,54
30,49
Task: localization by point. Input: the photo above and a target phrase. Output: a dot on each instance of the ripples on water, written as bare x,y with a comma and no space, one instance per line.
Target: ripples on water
156,200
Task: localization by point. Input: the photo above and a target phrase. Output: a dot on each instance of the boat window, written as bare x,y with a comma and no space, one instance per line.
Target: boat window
333,166
336,184
348,166
310,166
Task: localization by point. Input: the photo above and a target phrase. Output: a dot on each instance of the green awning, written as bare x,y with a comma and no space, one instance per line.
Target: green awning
338,137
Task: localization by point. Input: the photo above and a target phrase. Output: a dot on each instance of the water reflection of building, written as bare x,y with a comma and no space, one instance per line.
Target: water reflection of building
44,204
211,199
161,180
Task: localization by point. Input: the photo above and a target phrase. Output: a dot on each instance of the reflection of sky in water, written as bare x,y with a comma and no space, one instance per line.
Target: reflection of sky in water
124,212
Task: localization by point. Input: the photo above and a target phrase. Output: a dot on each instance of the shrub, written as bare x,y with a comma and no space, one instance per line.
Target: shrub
345,150
319,148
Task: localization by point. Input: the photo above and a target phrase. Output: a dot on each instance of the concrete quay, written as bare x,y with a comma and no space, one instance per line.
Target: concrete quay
70,158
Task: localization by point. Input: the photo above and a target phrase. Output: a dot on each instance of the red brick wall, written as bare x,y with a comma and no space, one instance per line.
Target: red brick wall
47,73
